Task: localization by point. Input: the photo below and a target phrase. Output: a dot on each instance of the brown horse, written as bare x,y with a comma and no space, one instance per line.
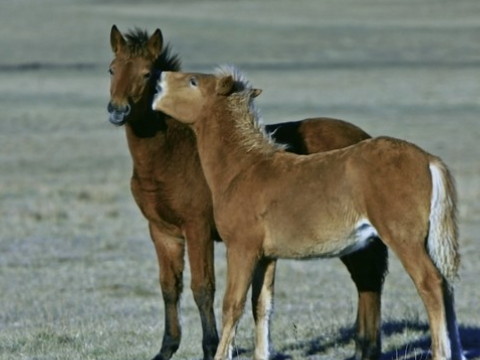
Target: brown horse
320,205
169,187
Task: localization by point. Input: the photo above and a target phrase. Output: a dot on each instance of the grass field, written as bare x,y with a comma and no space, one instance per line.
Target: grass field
78,273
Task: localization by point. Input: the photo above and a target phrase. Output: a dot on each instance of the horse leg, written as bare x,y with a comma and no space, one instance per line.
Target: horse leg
262,305
170,252
240,267
457,350
200,255
367,268
430,286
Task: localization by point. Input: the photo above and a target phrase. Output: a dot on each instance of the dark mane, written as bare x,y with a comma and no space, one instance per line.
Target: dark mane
137,40
168,61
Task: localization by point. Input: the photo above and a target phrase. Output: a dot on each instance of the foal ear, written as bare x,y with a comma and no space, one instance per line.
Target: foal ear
255,92
155,43
225,85
117,41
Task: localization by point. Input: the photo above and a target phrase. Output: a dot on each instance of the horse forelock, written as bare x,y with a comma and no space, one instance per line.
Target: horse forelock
137,42
137,45
249,125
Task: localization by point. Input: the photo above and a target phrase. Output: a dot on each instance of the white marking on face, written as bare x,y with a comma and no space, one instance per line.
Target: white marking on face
161,90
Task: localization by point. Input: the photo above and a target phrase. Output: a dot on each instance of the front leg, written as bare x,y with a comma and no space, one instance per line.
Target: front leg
240,268
170,253
262,305
200,255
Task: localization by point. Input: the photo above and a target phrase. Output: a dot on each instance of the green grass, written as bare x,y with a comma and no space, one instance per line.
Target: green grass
78,273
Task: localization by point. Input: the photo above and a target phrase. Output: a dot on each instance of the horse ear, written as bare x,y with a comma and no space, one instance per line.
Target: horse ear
256,92
155,43
225,85
117,41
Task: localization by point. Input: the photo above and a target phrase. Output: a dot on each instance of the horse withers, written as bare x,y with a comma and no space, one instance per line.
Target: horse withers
321,205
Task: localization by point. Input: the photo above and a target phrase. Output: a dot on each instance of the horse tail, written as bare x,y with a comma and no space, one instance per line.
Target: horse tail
442,243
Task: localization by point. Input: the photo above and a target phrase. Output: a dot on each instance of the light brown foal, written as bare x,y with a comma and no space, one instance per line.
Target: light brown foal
271,204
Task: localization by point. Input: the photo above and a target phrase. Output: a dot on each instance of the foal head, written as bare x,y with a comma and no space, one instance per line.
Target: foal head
187,97
138,61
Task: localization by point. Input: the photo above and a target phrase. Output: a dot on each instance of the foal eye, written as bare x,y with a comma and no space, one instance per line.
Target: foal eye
193,81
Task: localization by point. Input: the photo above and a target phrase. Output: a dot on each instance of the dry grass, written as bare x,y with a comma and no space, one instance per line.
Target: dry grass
78,276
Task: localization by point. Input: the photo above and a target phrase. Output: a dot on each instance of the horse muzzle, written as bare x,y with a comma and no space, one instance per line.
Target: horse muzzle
117,114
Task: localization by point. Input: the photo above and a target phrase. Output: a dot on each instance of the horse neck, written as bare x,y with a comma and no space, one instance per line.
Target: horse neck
226,150
153,139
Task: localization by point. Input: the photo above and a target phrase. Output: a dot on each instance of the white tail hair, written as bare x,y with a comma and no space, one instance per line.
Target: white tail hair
442,241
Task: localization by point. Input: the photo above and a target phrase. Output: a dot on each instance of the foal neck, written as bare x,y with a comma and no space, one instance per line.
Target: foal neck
230,140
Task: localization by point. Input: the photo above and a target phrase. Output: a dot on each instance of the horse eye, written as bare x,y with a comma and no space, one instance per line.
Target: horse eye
147,75
110,71
193,81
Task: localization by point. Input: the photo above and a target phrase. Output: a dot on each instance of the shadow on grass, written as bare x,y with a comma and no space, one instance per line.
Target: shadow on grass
417,350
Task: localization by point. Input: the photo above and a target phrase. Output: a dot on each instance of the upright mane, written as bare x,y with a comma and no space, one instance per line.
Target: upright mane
137,40
250,129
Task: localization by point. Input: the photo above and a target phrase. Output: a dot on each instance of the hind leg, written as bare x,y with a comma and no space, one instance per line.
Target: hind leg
367,268
457,351
430,285
262,305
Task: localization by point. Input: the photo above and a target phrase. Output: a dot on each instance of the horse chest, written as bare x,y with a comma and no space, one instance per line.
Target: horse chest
156,204
171,203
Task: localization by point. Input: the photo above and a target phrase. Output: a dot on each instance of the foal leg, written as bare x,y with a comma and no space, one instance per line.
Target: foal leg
262,305
457,350
430,285
200,255
368,268
240,268
170,252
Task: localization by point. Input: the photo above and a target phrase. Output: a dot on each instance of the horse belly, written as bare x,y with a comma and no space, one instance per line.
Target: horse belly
322,241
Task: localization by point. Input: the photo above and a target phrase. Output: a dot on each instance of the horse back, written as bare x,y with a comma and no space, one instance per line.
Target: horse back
316,135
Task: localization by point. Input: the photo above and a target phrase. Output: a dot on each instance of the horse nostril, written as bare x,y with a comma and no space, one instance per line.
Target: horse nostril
119,109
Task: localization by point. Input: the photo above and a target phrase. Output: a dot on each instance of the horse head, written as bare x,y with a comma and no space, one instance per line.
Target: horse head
133,71
184,95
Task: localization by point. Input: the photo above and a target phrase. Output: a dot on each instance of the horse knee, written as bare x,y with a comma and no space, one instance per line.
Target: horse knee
233,309
203,293
171,290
